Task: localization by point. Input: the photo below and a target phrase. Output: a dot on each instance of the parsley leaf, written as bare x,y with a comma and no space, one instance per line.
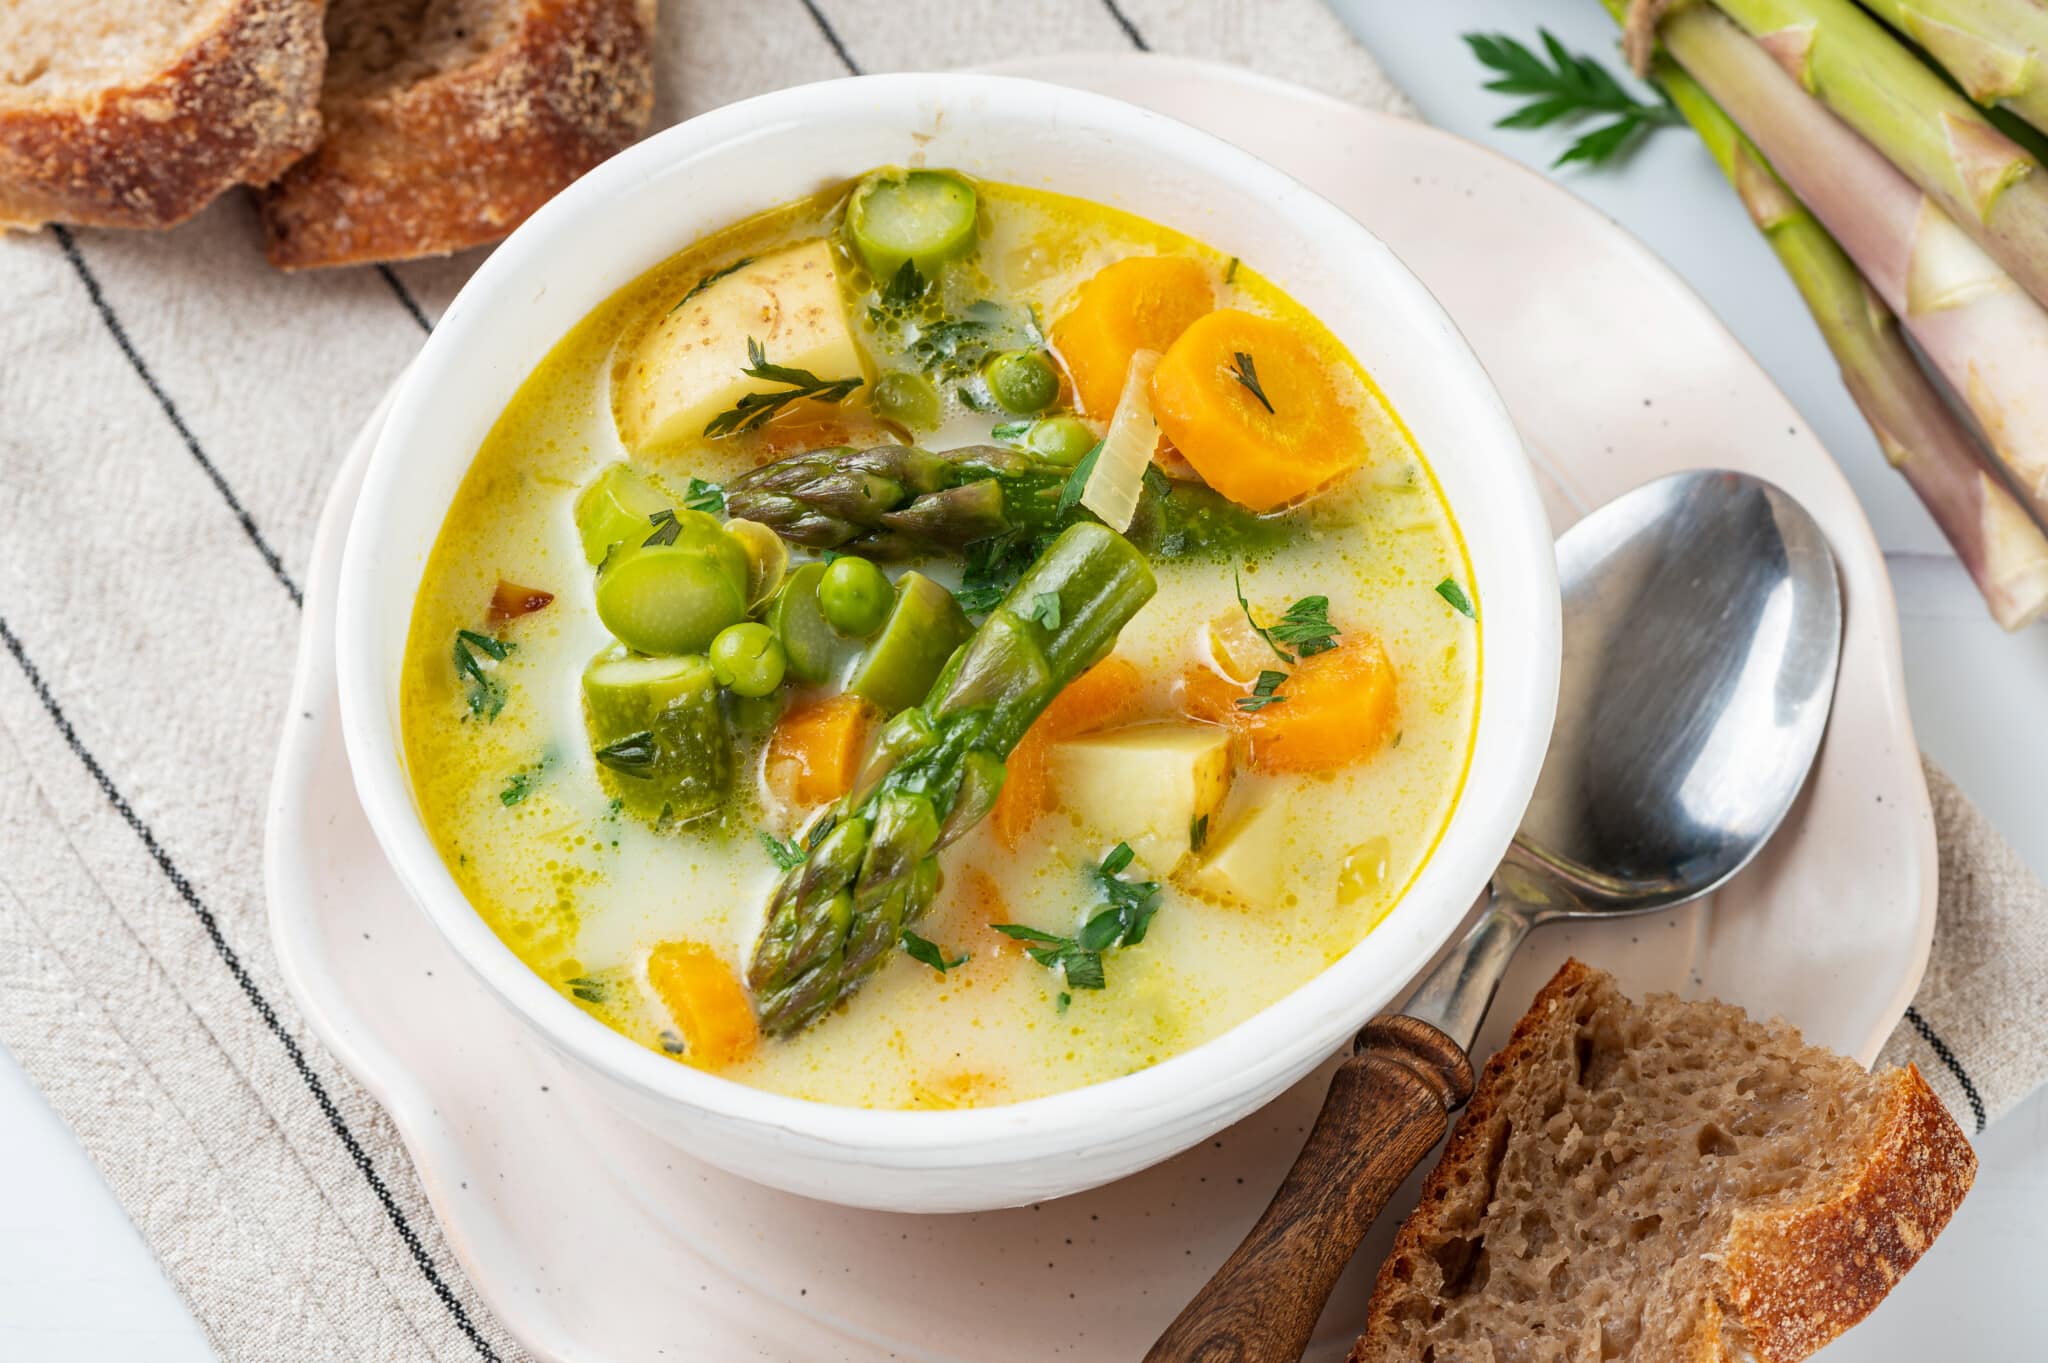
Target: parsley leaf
754,410
518,786
1450,591
906,287
1247,375
587,989
786,853
1077,481
1010,431
704,496
708,280
1263,692
993,566
919,949
1569,87
666,528
1198,832
634,755
1230,271
1306,625
1257,629
1081,967
484,693
1045,609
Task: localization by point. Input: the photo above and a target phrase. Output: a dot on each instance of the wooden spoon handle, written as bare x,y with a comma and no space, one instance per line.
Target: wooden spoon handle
1388,1107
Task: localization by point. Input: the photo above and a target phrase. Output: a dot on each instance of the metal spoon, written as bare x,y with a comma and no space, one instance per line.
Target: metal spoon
1702,630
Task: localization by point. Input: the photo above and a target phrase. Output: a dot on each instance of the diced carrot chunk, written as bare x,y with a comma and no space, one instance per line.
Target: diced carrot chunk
1334,709
817,749
1105,694
1139,303
510,601
707,1002
1252,404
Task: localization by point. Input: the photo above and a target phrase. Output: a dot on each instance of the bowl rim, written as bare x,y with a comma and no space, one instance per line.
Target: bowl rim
1255,1055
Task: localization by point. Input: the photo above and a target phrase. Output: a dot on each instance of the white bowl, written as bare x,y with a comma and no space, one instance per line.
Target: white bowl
647,203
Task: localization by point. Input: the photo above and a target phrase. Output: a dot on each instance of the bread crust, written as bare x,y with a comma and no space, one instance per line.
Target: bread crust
464,156
236,106
1801,1277
1795,1279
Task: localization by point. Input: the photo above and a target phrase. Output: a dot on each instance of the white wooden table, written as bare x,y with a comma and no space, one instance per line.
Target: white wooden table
77,1284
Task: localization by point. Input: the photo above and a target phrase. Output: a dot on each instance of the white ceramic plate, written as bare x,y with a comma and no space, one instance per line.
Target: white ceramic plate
593,1241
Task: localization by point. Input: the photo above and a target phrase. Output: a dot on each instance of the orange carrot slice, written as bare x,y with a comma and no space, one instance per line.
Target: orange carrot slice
1139,303
1253,406
1335,708
705,998
817,750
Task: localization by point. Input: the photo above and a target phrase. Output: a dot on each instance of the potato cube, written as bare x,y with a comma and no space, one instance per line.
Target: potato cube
1248,862
1144,785
686,369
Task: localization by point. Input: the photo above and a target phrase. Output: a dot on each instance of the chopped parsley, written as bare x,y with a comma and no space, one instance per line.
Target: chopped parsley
634,755
906,287
704,496
1230,271
1198,832
1120,917
1247,374
1264,691
754,410
928,953
587,989
1077,481
485,693
1010,431
1306,625
993,566
1450,591
666,528
1045,609
786,853
518,786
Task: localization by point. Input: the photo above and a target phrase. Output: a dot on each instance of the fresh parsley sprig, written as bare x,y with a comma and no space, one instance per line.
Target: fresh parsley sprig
702,495
1450,591
1120,918
927,952
754,410
787,855
1568,87
708,280
1305,624
1247,374
1265,691
485,693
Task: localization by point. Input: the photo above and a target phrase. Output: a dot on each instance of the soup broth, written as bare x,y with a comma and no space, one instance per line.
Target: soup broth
1277,790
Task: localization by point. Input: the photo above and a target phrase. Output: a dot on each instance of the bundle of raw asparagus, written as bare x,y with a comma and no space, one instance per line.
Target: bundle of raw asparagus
1890,154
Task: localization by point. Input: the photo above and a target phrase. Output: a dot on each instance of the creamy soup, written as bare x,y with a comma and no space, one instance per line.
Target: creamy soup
938,644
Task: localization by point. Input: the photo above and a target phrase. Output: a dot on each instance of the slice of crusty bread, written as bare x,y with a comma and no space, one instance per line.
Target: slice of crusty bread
1664,1182
449,121
136,113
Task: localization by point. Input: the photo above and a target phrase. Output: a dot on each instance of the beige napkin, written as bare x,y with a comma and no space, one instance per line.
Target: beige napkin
171,412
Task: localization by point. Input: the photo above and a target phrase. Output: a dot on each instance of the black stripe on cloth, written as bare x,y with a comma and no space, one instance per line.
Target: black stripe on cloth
831,36
1953,1065
335,1121
1130,29
69,244
412,305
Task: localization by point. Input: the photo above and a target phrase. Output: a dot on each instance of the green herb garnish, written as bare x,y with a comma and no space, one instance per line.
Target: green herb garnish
708,280
1306,625
1077,481
1124,914
634,755
1450,591
1569,87
518,786
918,949
1230,271
1045,609
704,496
1198,832
589,990
907,287
1263,691
788,856
485,694
666,528
1061,1001
993,566
754,410
1248,375
975,400
1010,431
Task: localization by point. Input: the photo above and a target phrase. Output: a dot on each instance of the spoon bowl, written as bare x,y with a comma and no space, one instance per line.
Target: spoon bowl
1702,635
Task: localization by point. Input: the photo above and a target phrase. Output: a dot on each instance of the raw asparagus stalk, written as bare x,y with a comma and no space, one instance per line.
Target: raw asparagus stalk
1980,331
1994,48
935,773
900,502
1987,183
2005,553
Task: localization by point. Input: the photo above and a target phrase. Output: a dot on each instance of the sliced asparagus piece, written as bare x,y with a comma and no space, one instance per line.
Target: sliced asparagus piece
2006,553
894,502
1995,49
872,864
1986,182
657,733
924,626
1983,333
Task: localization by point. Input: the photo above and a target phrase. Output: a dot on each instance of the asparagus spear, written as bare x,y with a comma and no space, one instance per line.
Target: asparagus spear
1980,331
1987,183
898,501
871,866
1993,48
2005,553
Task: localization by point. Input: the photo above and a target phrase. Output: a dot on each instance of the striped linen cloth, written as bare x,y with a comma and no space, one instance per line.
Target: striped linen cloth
171,412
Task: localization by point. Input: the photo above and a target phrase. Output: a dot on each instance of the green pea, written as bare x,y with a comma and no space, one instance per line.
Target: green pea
748,659
1062,439
855,596
1021,381
908,398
